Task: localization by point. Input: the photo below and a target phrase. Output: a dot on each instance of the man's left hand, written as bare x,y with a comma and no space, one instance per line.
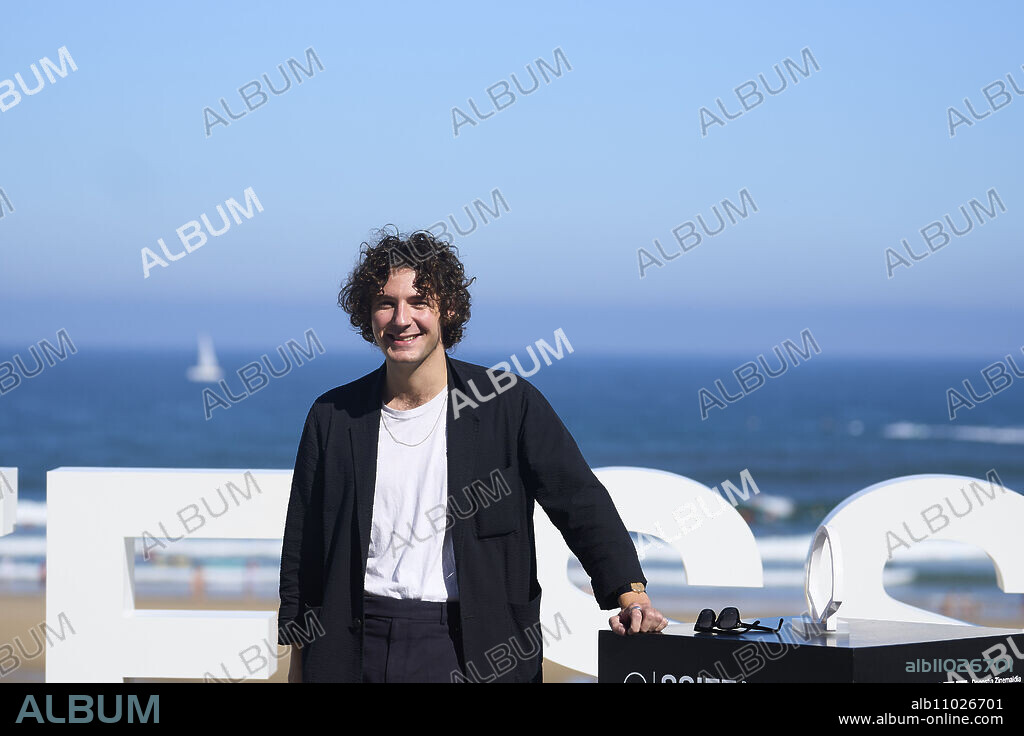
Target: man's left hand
637,615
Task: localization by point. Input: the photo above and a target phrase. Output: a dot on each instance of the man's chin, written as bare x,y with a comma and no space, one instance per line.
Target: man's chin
406,356
403,356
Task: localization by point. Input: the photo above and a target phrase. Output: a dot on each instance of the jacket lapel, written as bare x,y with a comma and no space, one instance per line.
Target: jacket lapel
363,436
462,440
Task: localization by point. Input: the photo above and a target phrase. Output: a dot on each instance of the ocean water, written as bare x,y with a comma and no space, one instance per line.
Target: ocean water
820,432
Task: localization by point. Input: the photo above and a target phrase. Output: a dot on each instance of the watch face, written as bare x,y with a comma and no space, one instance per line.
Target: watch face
637,587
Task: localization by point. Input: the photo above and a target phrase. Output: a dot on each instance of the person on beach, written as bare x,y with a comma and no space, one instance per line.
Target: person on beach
408,550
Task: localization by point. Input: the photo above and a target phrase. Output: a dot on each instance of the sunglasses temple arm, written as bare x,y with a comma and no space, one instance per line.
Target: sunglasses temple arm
756,625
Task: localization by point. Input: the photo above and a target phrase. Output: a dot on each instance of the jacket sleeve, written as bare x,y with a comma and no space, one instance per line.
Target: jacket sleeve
301,561
554,470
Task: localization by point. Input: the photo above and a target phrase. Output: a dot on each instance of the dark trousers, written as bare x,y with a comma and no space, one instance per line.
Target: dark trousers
411,641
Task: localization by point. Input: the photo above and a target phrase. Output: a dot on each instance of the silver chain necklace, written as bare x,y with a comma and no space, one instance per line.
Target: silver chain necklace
384,421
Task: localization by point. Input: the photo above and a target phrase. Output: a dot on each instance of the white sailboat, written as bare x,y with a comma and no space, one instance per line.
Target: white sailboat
206,370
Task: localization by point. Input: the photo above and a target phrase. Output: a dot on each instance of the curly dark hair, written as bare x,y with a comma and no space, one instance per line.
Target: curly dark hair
439,275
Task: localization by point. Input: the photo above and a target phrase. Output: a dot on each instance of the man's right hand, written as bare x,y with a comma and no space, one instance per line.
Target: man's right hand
295,664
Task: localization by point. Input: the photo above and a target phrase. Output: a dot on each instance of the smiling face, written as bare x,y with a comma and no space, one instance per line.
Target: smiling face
406,324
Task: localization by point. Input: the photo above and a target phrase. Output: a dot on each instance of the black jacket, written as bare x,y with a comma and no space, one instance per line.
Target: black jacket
517,434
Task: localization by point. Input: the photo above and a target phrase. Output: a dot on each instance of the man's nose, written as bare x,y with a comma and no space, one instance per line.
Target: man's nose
401,314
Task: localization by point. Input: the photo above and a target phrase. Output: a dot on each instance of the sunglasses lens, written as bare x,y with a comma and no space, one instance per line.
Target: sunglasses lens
705,620
729,618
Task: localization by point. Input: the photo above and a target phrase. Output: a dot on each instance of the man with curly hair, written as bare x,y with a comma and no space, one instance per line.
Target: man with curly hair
408,552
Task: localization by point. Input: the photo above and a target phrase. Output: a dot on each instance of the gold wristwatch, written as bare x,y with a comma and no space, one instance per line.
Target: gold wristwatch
631,588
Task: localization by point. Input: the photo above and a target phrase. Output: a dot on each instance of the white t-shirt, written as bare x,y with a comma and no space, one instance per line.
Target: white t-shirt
411,553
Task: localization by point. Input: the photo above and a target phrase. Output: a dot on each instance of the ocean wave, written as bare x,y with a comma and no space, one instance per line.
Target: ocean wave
773,549
665,578
793,548
30,514
966,433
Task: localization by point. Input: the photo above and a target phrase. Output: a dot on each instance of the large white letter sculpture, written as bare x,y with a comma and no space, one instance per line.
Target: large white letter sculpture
95,514
8,500
882,521
650,503
93,518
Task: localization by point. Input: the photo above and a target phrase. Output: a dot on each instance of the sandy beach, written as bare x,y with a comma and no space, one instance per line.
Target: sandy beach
21,613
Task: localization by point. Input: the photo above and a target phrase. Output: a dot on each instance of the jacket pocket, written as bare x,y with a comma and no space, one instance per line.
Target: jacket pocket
526,645
308,626
496,502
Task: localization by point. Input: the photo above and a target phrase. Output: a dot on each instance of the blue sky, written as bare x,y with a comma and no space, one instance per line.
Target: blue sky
593,166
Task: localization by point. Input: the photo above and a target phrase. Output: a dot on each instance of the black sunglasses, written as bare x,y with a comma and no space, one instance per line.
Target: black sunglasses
728,621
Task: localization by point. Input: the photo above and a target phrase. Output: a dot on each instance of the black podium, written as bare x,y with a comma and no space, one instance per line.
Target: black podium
860,651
